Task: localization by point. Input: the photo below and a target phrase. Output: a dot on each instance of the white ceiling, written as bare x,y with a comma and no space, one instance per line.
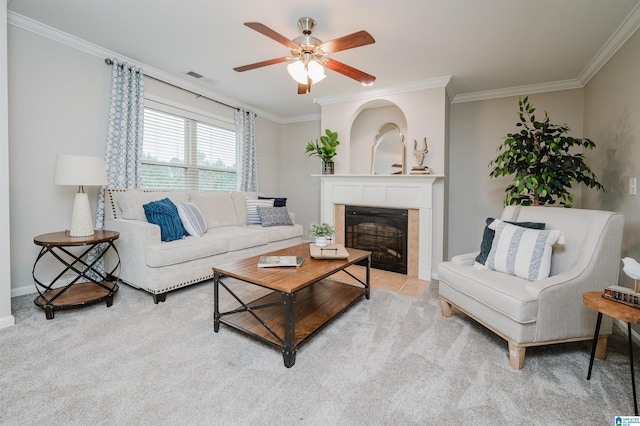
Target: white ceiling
485,46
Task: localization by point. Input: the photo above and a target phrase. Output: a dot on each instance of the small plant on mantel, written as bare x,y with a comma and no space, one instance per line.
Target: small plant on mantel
326,149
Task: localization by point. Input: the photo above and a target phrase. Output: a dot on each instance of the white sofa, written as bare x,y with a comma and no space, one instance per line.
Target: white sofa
158,267
549,310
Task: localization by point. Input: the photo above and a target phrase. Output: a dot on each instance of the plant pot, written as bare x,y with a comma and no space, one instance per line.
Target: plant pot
327,168
321,241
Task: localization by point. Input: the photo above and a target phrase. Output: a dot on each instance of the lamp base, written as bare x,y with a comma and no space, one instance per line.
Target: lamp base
81,221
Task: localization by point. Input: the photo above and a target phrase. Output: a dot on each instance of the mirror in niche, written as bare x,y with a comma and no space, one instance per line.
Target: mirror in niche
387,155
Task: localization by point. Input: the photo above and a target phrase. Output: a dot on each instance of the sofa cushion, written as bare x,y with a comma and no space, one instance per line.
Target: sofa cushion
165,214
279,233
241,237
240,203
130,202
274,216
192,219
253,218
504,293
525,253
185,250
488,234
216,206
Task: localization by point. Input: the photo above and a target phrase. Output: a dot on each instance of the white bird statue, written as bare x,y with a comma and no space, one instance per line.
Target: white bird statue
632,269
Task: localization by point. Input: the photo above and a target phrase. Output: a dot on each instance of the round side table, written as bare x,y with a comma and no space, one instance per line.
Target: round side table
88,282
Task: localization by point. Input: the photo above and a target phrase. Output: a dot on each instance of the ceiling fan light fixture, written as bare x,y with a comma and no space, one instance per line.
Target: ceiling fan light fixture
297,72
316,71
302,72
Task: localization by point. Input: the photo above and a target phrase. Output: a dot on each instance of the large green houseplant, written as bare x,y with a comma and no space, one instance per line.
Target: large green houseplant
539,158
326,149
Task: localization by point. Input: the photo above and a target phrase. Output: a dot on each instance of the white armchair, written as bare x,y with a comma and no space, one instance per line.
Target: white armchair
550,310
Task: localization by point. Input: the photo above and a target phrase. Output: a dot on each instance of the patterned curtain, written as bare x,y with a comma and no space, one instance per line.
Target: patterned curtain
246,137
123,150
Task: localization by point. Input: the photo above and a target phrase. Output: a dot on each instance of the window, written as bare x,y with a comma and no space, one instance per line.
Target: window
182,150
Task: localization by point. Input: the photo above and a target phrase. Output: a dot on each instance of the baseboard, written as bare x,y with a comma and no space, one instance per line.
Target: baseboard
7,321
21,291
635,337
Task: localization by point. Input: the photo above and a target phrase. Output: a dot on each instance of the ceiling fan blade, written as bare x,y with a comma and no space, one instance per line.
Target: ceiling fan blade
261,64
263,29
350,72
361,38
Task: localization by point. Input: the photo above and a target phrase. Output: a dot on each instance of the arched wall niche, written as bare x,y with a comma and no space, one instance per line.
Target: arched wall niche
367,120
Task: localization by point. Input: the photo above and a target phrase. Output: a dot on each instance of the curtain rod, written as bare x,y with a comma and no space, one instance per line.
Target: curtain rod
109,61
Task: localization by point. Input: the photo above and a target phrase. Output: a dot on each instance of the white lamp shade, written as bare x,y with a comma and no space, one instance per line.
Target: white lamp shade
316,71
297,72
80,170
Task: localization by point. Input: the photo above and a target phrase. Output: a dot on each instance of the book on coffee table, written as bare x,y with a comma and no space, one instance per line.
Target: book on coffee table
271,261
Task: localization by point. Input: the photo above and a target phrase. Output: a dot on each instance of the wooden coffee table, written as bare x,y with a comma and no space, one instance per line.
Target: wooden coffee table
304,298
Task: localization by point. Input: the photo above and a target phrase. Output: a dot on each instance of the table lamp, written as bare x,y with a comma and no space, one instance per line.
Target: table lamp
80,170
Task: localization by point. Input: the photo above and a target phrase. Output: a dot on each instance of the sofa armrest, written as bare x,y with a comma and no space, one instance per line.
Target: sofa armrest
465,259
137,232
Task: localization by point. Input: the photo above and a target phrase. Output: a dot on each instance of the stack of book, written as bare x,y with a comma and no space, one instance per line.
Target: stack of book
420,170
623,295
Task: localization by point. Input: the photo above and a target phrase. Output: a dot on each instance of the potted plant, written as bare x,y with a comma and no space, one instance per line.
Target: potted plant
539,158
322,232
326,149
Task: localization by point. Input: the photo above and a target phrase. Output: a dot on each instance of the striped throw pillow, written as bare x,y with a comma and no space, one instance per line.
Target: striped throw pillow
252,210
525,253
192,219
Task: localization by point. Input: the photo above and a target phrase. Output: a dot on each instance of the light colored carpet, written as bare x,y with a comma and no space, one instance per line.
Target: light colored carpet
392,360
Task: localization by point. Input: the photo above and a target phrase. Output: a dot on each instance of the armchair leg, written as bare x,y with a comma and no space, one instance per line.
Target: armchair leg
516,355
445,308
601,347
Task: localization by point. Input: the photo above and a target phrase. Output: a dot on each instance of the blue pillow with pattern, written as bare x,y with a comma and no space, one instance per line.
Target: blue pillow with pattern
165,214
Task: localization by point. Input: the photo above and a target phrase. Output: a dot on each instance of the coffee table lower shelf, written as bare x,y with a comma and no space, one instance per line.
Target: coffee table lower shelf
286,320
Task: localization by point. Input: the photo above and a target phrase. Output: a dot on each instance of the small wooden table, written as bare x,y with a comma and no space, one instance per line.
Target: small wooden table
304,298
629,314
90,283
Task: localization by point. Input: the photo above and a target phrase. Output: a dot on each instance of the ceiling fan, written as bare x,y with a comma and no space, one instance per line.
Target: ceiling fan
309,56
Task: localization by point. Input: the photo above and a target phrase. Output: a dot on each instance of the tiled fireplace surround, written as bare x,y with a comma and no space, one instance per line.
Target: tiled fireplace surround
411,192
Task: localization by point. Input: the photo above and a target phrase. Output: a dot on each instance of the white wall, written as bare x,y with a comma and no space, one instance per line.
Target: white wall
612,109
6,319
477,129
58,104
427,115
296,181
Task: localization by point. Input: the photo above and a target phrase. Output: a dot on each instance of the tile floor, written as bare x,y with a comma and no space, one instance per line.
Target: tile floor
386,280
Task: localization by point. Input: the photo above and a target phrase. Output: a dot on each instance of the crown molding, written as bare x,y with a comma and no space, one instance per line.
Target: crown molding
517,91
626,29
36,27
389,90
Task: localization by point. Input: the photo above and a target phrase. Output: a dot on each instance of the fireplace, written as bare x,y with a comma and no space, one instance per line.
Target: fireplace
382,231
414,193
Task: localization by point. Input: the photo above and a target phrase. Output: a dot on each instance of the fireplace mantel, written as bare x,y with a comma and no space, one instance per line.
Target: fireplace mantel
395,191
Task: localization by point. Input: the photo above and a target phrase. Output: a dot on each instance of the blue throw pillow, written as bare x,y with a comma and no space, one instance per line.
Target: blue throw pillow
165,214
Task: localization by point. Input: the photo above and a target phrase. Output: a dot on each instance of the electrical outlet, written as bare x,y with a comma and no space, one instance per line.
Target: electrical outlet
632,186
